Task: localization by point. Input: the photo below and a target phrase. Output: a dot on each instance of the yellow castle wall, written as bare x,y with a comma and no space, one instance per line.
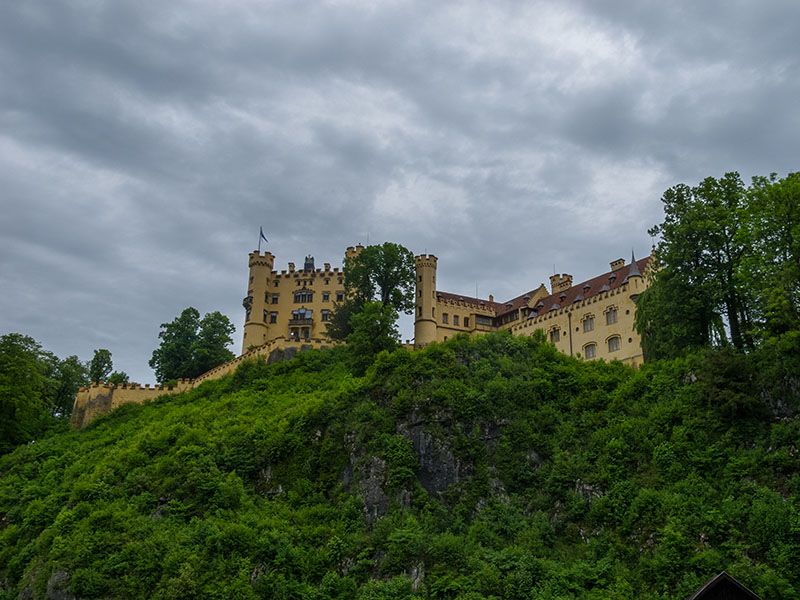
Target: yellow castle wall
573,339
272,295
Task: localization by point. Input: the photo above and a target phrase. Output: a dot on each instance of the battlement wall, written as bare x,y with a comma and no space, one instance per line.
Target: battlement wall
101,398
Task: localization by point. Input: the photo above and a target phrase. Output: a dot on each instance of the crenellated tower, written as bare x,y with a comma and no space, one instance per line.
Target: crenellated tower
425,310
256,327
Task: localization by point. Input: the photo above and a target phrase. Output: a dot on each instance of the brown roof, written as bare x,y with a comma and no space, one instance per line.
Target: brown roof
596,285
723,586
469,300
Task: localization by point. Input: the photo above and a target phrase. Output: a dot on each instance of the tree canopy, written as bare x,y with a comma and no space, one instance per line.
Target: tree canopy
727,266
101,365
380,273
190,346
37,389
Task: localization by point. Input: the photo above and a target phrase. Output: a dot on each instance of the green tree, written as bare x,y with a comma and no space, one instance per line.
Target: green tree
191,346
71,374
27,389
698,296
384,274
118,377
380,273
338,326
214,334
100,366
772,270
374,330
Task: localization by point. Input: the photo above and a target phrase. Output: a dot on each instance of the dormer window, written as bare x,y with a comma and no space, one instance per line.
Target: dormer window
586,286
612,277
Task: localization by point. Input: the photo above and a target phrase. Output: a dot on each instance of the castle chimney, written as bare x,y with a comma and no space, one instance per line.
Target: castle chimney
309,263
617,264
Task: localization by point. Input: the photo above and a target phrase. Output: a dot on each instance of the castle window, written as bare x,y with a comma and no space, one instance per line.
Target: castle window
300,297
265,316
444,317
325,314
301,313
555,335
419,311
588,324
455,320
339,296
273,317
611,316
613,344
247,315
326,296
327,281
340,281
274,298
590,350
466,321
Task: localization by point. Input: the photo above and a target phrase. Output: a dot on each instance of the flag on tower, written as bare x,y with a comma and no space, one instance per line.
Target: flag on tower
263,237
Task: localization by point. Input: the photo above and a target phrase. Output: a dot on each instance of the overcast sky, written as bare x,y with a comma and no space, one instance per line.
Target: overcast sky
142,144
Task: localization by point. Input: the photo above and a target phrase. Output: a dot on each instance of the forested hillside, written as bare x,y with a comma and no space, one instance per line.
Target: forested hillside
491,467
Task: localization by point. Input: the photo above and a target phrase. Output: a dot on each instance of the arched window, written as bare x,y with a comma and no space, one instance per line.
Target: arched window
611,316
588,323
590,350
613,343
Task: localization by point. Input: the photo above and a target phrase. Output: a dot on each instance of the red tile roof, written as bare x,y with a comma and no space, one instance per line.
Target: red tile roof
595,286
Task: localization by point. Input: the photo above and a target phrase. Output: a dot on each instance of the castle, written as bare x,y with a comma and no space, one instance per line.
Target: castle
592,319
287,311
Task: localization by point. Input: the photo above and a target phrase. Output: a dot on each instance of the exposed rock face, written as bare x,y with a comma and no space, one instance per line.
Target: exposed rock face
438,467
57,586
371,482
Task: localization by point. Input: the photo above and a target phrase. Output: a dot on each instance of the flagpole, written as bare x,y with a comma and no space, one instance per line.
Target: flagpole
259,242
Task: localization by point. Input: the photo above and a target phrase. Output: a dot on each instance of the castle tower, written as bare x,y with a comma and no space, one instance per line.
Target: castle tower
425,316
353,251
635,279
255,304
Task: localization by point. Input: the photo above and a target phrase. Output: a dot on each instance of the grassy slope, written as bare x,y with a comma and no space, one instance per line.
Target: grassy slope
582,480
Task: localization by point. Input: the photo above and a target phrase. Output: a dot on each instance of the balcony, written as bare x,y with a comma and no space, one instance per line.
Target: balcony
297,322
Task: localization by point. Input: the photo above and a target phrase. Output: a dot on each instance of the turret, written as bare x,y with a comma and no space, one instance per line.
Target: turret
352,252
255,303
634,278
424,315
560,283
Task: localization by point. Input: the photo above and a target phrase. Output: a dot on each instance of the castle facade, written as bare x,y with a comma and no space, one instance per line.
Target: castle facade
592,319
291,305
